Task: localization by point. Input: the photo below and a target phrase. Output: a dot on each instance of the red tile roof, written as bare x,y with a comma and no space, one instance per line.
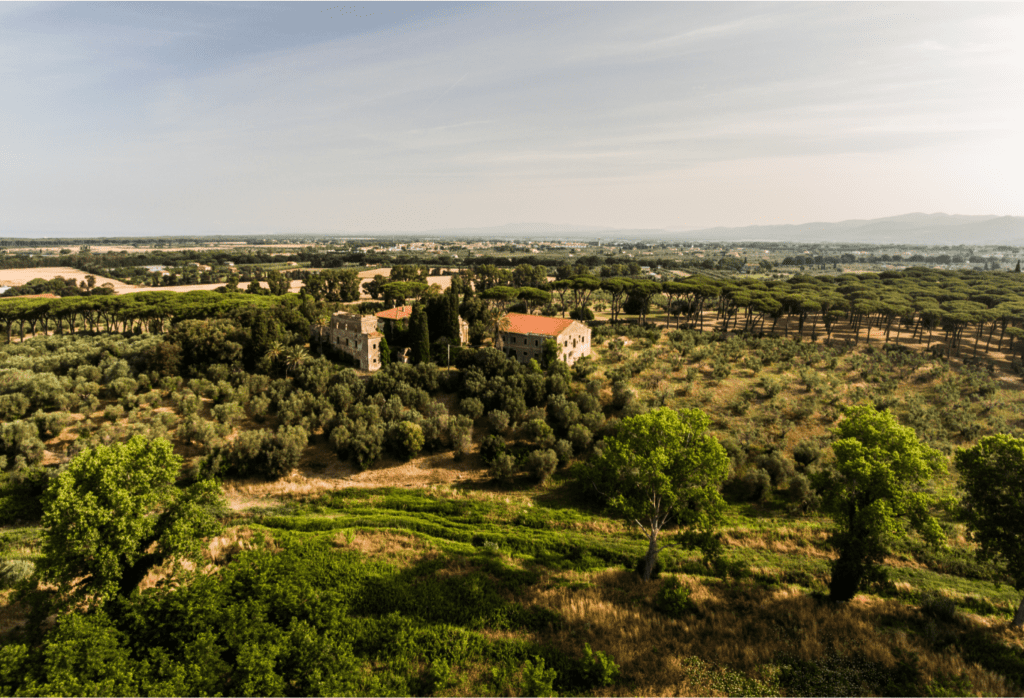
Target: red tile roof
396,313
521,323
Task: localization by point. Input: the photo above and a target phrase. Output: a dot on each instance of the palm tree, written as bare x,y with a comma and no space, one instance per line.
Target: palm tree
294,357
321,324
501,325
275,351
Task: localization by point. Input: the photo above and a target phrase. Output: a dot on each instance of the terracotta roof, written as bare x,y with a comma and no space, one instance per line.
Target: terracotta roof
396,313
521,323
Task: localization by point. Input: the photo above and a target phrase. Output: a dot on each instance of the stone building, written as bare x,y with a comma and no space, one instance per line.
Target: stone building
525,336
356,335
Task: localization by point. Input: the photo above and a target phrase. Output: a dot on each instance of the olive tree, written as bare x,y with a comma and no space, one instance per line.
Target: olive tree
662,468
115,512
874,493
992,479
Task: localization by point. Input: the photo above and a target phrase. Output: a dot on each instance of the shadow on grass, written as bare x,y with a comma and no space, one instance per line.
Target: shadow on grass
741,638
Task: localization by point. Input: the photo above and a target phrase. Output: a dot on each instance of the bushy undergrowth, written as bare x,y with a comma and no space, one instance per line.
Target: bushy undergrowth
308,620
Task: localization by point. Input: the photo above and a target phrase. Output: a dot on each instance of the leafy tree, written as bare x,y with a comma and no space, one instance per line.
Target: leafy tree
361,440
461,433
542,463
873,493
538,431
472,408
563,449
992,478
20,445
580,437
498,420
278,284
205,342
663,467
336,285
406,439
550,353
638,299
104,513
502,467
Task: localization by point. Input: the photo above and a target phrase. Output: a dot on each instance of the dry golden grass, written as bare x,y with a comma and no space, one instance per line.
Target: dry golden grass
219,552
401,550
19,277
782,540
12,614
743,627
330,473
233,541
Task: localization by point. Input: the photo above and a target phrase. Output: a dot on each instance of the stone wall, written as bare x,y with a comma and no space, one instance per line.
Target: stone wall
357,336
573,344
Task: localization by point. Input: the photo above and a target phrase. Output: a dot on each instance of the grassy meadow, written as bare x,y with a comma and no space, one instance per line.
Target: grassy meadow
465,586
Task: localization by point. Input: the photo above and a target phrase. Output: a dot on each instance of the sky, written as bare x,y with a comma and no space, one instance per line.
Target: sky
216,118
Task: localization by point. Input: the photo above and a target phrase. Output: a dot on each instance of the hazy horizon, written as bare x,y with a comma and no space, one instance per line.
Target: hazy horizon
149,119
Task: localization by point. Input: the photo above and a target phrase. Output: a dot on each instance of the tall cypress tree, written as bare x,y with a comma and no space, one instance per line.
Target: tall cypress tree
452,297
419,335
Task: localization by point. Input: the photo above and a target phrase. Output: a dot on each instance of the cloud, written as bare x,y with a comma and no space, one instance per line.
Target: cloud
491,114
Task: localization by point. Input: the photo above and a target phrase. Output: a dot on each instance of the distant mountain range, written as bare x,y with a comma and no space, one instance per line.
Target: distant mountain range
908,229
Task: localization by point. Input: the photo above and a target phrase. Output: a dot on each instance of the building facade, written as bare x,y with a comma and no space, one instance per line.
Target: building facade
356,335
525,335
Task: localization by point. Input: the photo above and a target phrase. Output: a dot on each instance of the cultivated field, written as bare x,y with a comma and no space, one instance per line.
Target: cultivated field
293,288
20,277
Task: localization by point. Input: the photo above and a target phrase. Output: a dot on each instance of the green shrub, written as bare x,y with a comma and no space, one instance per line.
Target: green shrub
598,668
472,407
538,431
673,598
622,395
502,467
580,437
542,463
406,439
848,675
939,607
50,424
563,449
227,412
770,385
498,420
460,430
778,467
755,486
122,387
806,452
537,680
